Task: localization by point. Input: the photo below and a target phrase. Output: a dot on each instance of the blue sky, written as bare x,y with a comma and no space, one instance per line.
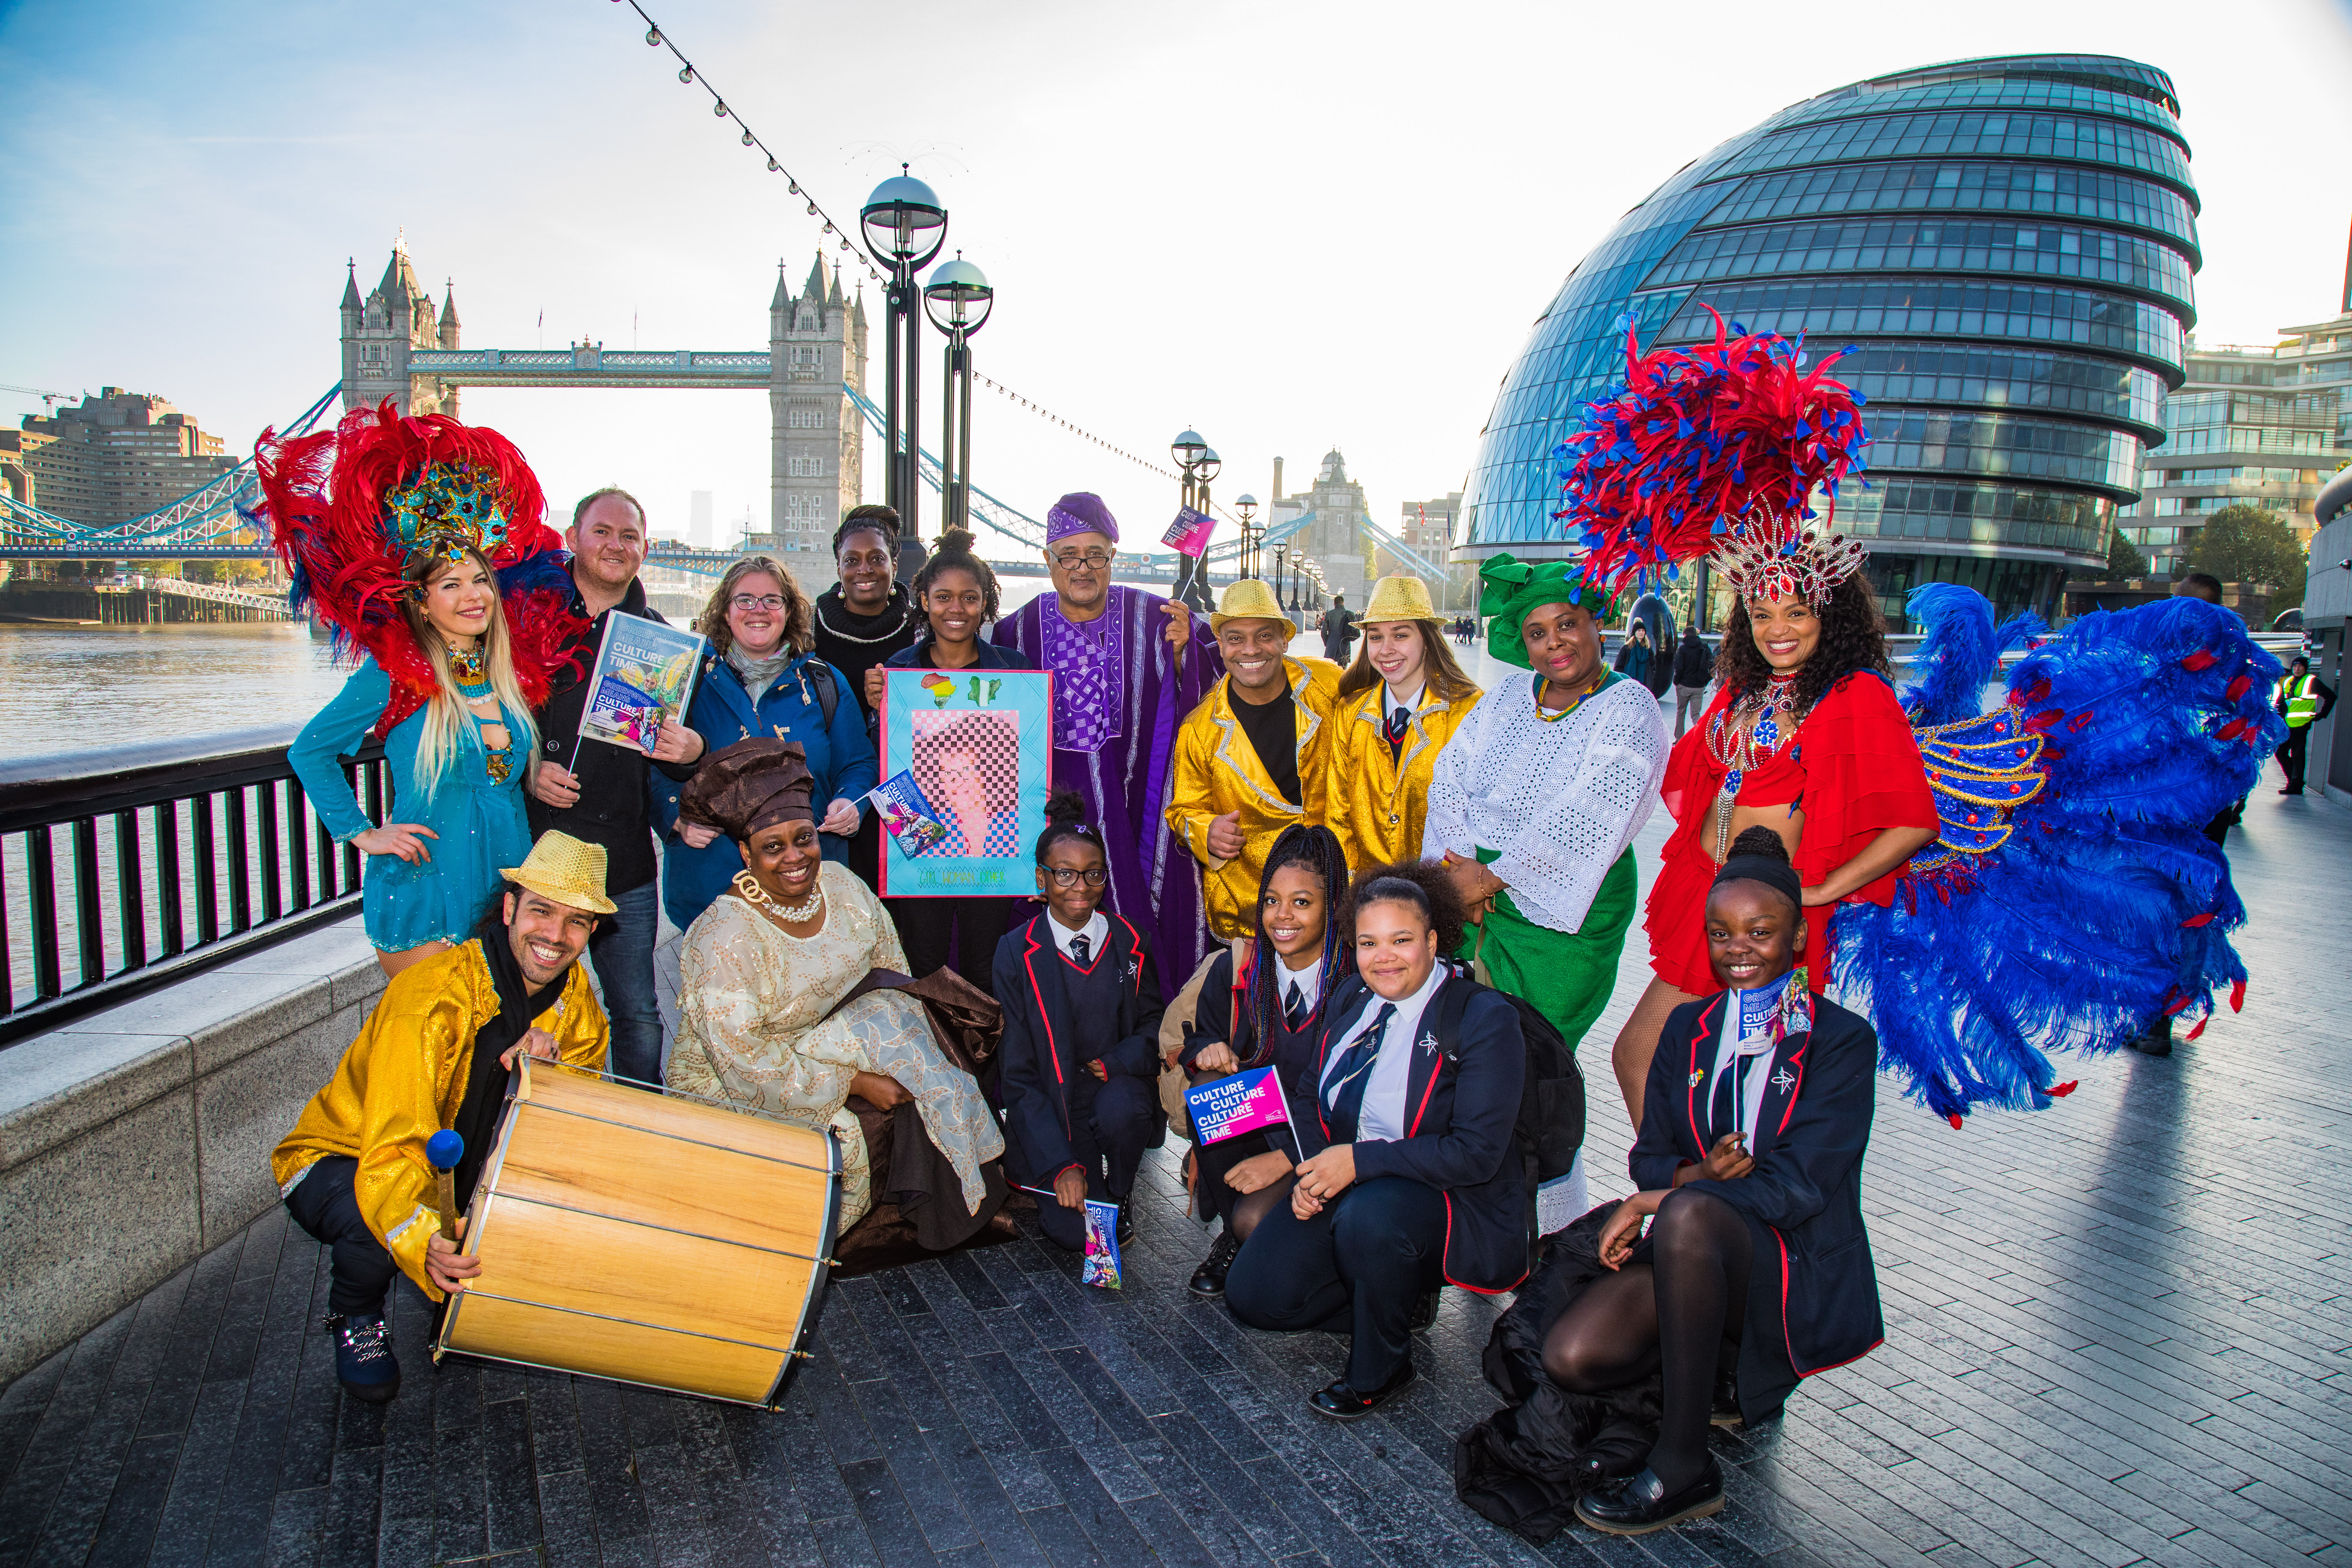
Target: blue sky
1293,226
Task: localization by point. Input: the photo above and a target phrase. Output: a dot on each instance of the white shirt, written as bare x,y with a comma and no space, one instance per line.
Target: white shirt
1308,980
1410,701
1382,1116
1758,1048
1093,930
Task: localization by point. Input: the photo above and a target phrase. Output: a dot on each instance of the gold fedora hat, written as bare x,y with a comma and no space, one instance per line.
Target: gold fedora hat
562,868
1398,597
1249,599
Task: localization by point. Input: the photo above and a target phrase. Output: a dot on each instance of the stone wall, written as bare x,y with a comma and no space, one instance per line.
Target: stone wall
133,1139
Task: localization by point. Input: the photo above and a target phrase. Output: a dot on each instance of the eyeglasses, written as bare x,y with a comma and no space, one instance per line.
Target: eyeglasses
758,601
1065,878
1092,560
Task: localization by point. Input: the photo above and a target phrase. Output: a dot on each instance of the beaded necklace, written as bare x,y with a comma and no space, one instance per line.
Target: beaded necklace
1738,748
1574,702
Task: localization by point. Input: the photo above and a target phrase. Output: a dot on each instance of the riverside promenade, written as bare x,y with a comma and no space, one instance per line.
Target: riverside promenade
2118,1331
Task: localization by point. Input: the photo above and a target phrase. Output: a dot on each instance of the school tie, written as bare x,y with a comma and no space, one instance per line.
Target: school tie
1344,1097
1081,950
1399,725
1294,1007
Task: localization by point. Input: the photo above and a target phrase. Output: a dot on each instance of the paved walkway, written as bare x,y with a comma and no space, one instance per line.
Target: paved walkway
2117,1332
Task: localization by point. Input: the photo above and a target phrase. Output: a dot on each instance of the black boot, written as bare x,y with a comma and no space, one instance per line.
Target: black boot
2156,1040
1209,1279
1640,1504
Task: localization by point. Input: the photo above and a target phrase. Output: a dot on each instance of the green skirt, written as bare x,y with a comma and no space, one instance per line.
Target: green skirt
1567,978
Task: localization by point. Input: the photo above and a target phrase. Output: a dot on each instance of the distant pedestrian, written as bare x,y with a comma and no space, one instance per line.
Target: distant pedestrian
599,792
1339,630
1635,652
1694,667
2303,700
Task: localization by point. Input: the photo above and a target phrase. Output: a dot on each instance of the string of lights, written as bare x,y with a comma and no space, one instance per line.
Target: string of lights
686,72
1082,433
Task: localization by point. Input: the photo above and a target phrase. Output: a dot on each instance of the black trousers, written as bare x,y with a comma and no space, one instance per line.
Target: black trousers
1356,1268
324,1206
975,925
1108,1133
2291,755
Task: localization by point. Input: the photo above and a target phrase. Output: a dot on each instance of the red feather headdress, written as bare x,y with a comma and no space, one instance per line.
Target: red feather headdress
1716,449
348,509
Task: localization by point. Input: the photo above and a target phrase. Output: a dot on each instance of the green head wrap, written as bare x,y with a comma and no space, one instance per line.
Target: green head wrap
1509,589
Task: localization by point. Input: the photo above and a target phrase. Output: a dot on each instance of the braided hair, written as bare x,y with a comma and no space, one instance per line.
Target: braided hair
1066,817
954,553
1316,849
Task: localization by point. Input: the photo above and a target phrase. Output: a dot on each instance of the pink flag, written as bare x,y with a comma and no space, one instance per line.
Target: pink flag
1188,534
1242,1103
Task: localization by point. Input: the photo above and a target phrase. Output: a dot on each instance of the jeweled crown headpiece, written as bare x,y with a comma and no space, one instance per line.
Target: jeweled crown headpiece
446,510
1716,450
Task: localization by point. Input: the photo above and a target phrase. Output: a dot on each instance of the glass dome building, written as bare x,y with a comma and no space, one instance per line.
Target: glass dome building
2007,244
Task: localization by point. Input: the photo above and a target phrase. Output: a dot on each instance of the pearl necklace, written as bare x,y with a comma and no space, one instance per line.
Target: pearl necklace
748,889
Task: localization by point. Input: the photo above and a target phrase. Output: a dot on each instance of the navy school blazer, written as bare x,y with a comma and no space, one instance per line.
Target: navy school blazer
1462,1107
1039,1054
1805,1192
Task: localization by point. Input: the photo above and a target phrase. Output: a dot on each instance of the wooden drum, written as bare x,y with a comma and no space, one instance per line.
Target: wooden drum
647,1238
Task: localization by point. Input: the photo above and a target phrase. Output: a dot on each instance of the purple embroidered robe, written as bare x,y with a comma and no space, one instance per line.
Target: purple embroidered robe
1119,692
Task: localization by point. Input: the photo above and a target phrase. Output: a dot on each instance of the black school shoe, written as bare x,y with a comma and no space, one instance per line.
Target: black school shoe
1725,1412
1126,1227
1640,1504
1209,1279
365,1364
1340,1401
1424,1314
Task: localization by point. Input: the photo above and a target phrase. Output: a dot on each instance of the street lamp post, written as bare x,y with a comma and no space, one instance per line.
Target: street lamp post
958,299
1193,456
1250,564
904,227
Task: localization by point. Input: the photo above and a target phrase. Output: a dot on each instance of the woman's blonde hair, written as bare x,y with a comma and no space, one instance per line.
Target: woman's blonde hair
1439,667
447,718
800,623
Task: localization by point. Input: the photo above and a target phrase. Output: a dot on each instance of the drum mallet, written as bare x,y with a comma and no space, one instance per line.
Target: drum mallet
445,1149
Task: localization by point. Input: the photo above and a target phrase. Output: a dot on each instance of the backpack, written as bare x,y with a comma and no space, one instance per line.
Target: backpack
1550,1129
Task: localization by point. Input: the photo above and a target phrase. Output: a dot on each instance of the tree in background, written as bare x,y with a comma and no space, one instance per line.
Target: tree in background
2123,558
2255,548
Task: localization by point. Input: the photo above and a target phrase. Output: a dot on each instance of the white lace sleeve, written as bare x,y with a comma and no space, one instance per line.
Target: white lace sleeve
1564,846
1446,824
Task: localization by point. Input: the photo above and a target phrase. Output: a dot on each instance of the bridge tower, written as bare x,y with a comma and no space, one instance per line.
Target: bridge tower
816,357
380,331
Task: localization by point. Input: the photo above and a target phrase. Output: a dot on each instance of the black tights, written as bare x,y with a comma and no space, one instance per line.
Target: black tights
1252,1207
1679,1315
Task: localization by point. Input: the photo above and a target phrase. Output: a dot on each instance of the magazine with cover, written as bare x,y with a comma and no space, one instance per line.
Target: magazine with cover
644,673
905,815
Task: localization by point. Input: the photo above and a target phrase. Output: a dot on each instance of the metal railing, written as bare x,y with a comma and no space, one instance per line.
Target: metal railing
125,870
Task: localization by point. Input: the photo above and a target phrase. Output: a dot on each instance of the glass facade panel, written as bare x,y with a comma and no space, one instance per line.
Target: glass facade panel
2075,139
2012,586
1931,306
2043,392
1931,245
2006,378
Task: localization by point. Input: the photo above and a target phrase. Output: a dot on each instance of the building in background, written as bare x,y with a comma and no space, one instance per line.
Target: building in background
2009,243
115,456
380,332
1427,526
2256,426
816,346
1332,535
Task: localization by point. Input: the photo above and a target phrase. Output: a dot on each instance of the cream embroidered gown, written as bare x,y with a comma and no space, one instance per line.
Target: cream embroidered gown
753,1030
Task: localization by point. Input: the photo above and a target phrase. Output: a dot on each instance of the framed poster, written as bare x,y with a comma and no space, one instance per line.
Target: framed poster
967,759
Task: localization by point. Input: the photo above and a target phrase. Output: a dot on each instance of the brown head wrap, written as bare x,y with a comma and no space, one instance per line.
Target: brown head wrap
749,785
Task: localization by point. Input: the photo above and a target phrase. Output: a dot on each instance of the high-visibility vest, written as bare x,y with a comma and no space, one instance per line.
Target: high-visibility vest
2303,707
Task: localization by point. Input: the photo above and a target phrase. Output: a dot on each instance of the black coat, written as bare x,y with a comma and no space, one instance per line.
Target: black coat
1693,662
1812,1297
1040,1052
1461,1099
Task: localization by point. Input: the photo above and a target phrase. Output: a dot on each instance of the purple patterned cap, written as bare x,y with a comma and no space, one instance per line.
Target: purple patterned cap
1081,512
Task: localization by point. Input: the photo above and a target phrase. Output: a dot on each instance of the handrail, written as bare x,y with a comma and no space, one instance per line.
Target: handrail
99,917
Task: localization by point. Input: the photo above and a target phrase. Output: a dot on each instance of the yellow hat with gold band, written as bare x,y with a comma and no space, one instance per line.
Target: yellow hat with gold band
1398,597
565,869
1250,599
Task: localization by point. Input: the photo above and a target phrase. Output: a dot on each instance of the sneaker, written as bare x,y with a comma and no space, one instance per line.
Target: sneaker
365,1364
1209,1279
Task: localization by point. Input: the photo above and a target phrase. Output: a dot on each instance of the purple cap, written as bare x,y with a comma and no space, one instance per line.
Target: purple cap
1081,512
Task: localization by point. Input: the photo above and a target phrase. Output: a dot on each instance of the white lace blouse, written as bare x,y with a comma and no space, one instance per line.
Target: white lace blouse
1560,799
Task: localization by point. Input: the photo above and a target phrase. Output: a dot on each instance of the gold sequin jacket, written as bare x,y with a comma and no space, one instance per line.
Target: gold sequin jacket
401,1080
1377,805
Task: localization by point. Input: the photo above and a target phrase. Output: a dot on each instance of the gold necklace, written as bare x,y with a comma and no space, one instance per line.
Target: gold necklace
465,663
1574,702
748,889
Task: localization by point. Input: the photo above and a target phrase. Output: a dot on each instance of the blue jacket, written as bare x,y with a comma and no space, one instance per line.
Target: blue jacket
1461,1105
1039,1053
992,656
723,713
1803,1199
